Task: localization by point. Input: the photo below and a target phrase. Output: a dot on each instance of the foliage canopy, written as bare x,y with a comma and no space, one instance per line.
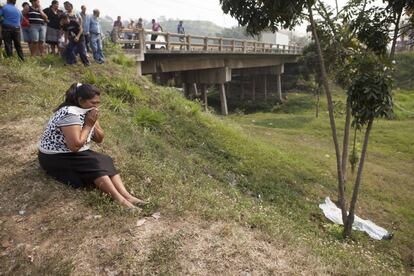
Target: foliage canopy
266,14
369,94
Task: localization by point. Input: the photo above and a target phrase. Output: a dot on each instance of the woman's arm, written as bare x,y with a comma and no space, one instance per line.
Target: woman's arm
76,136
80,30
43,14
98,133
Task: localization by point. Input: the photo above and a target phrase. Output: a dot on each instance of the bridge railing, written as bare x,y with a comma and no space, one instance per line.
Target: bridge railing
138,41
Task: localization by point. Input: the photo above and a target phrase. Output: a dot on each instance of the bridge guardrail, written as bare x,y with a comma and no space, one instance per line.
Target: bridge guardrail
133,40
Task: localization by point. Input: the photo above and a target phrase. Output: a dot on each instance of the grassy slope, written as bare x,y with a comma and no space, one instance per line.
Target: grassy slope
233,196
387,190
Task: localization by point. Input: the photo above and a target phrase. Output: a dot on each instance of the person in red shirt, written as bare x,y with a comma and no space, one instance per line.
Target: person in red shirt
26,25
156,27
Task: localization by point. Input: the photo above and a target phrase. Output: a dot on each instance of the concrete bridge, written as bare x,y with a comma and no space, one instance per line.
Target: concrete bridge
196,62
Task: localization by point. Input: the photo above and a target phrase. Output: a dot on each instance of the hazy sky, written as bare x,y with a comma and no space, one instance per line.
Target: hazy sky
132,9
177,9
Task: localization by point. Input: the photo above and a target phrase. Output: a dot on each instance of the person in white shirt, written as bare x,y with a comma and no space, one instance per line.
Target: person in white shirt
64,150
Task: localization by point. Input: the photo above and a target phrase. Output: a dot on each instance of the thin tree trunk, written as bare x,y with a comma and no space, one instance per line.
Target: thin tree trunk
351,216
395,37
318,91
354,152
345,144
331,115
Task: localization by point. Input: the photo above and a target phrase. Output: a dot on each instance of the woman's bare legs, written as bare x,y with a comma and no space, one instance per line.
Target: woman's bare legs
35,48
31,48
41,48
105,184
116,180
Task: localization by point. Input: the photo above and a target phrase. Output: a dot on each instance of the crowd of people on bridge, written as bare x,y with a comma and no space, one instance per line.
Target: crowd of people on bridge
66,32
156,27
63,31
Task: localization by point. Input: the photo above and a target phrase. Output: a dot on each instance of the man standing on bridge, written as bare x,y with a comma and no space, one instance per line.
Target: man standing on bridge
156,27
180,30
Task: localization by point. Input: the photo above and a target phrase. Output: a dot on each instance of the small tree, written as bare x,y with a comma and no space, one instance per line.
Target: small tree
365,103
369,97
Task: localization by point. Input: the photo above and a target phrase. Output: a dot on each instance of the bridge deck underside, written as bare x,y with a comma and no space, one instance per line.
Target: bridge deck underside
165,62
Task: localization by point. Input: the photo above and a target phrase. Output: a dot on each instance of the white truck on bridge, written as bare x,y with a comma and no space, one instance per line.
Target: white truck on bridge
275,38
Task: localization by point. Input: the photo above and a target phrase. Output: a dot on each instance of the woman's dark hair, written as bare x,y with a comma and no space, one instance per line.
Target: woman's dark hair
68,3
76,91
54,2
25,3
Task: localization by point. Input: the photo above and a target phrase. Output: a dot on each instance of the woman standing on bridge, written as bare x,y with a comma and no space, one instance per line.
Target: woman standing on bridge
64,150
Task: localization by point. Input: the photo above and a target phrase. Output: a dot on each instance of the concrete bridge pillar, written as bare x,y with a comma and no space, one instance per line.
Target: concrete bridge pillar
190,90
218,76
223,100
139,69
203,88
279,72
195,90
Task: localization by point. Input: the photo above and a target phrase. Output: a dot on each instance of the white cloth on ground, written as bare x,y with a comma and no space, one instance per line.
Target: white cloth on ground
334,214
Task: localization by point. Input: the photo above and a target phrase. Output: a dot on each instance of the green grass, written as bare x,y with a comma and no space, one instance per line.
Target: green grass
264,171
404,69
123,60
387,189
404,104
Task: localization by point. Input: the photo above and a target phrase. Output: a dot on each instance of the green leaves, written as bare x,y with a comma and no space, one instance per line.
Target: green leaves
372,29
265,14
369,94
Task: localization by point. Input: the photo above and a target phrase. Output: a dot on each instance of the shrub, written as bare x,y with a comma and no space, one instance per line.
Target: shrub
121,88
148,118
117,105
124,90
90,78
123,60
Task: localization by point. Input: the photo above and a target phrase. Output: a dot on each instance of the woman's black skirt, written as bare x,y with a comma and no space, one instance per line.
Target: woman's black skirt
77,169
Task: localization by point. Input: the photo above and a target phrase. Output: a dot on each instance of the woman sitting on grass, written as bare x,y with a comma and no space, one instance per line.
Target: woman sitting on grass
64,150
